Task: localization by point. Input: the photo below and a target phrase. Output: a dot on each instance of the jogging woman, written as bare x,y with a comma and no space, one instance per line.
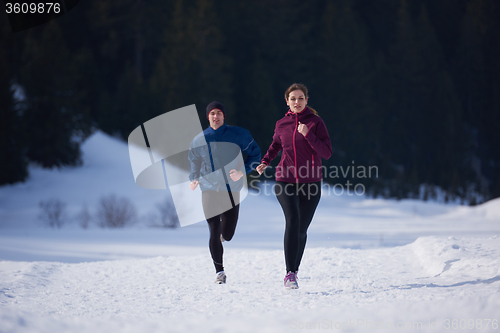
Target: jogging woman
212,154
302,136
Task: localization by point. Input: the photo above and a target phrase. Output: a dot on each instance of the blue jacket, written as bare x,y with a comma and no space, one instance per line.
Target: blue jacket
214,151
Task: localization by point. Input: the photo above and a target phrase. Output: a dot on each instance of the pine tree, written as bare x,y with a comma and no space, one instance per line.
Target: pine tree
54,120
12,146
174,68
469,70
349,79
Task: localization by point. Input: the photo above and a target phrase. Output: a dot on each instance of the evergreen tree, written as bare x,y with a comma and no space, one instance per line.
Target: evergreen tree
470,75
192,67
441,122
125,43
410,86
12,146
213,66
348,90
172,78
55,118
408,101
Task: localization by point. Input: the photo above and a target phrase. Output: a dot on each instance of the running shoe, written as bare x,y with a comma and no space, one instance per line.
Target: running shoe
291,281
221,278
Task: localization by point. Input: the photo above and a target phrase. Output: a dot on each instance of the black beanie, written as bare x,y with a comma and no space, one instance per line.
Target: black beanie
216,105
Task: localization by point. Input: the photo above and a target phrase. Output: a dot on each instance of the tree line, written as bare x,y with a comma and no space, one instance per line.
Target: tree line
409,86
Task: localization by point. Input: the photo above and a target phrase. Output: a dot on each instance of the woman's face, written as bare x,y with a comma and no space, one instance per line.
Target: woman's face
297,101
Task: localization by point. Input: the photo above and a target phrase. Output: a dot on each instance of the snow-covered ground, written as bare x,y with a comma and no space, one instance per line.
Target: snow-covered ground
370,264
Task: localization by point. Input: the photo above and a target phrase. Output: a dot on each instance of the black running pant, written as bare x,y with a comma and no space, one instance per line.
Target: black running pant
221,224
299,202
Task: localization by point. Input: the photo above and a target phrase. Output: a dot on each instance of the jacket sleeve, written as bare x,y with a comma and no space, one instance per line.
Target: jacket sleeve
253,153
195,161
274,148
320,141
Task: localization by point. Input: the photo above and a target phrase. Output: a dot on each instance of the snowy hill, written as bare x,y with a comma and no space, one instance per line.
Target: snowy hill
370,264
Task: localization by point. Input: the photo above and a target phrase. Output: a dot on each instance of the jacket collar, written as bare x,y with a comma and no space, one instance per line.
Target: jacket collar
301,114
219,130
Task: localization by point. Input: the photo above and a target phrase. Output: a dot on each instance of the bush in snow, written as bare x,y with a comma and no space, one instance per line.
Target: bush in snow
84,217
166,216
53,212
115,212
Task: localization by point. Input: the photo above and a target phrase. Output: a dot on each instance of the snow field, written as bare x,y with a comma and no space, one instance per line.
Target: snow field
431,279
370,265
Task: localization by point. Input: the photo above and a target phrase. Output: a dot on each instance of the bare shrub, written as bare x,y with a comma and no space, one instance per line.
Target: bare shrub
115,212
84,218
166,215
53,212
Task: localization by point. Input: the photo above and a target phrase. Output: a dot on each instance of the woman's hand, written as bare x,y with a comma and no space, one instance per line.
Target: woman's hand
303,129
260,168
235,174
193,185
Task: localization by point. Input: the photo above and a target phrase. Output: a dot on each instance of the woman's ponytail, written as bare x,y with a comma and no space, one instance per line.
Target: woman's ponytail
313,111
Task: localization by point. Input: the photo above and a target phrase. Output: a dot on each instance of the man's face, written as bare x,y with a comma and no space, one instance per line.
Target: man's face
216,118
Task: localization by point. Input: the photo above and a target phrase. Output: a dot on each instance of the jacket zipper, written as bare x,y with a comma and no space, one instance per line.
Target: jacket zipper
313,171
294,149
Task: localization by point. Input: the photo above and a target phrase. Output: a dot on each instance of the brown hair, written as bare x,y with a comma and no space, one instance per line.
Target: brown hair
303,88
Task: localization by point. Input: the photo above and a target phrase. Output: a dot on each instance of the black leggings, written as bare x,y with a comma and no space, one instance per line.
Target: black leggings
299,202
221,224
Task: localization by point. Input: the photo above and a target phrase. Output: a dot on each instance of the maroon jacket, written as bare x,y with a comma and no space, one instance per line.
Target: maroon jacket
301,157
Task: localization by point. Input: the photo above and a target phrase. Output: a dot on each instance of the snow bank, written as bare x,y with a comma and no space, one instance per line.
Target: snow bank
459,258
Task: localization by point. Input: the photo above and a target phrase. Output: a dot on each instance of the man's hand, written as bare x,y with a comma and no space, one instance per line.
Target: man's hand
194,185
235,175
